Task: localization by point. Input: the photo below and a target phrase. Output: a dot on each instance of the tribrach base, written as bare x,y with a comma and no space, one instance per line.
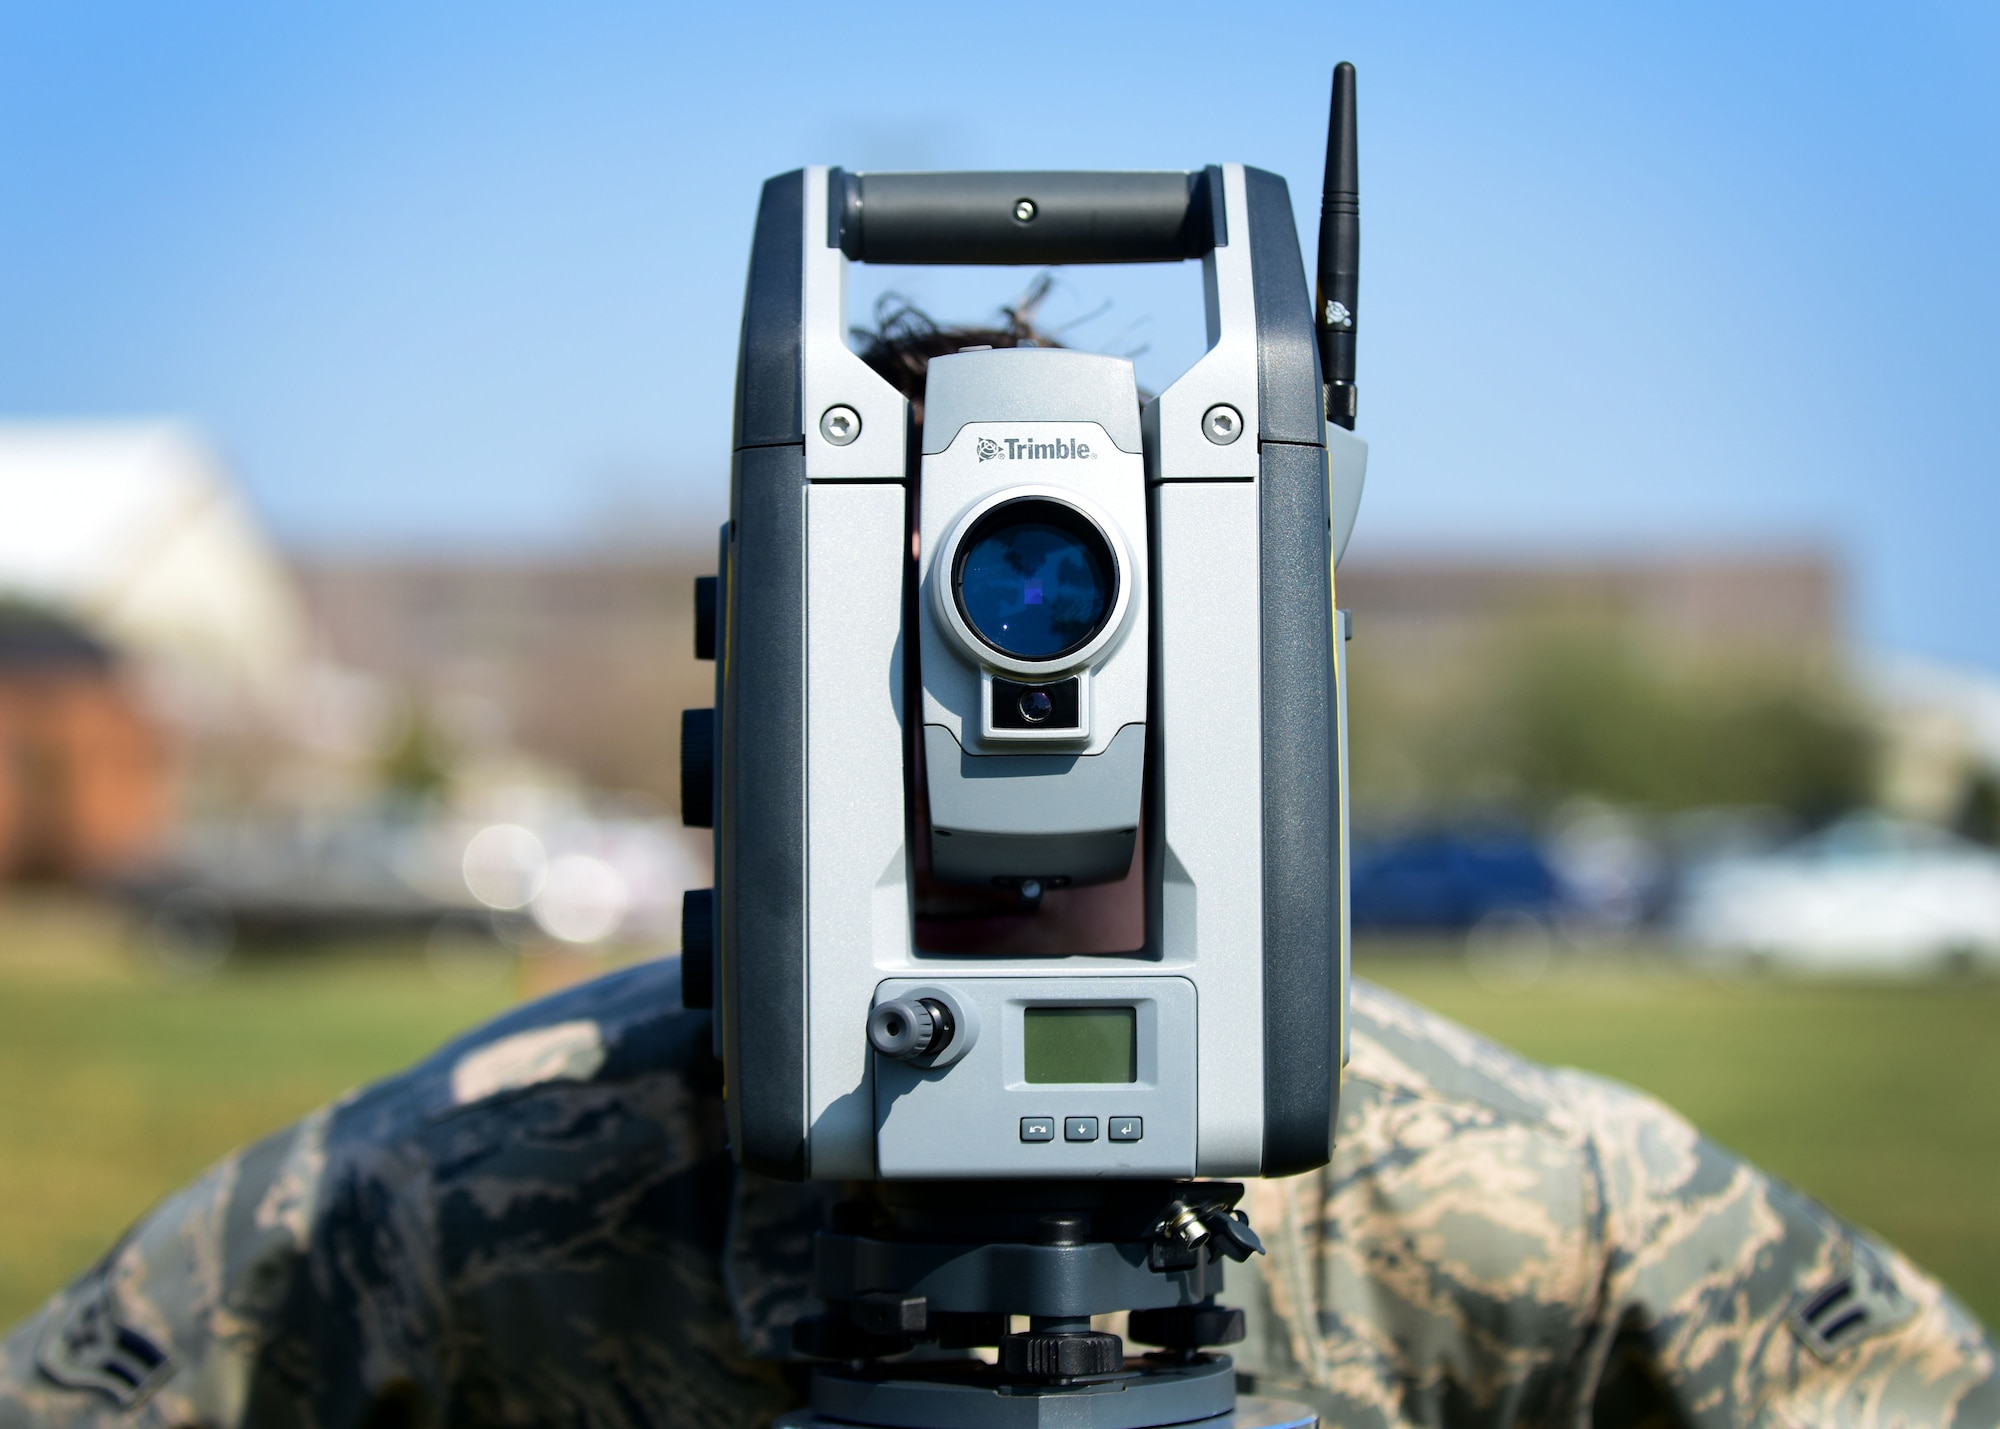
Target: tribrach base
916,1271
969,1395
1248,1412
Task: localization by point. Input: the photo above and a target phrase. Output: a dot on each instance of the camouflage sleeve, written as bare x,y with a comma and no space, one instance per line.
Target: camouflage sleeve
524,1229
1497,1243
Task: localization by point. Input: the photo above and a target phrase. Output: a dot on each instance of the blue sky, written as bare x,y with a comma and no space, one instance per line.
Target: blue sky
456,276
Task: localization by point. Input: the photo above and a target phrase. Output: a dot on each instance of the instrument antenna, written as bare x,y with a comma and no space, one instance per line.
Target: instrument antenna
1339,276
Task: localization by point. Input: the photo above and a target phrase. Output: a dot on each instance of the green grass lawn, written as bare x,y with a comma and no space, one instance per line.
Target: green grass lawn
1881,1100
117,1085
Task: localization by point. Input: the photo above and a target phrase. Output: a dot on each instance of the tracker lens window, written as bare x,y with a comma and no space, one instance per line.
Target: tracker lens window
1035,579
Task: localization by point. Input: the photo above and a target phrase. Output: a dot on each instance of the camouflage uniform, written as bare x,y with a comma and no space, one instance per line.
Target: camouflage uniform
540,1225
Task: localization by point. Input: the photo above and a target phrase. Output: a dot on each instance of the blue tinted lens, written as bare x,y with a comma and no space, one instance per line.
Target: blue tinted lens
1035,580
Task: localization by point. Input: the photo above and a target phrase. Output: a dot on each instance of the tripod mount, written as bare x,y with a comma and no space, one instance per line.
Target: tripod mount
916,1276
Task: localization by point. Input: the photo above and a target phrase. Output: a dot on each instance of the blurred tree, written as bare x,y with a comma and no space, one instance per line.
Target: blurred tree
418,763
1591,716
1979,810
1578,709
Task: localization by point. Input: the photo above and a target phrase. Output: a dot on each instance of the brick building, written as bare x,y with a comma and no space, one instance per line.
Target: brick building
151,643
84,786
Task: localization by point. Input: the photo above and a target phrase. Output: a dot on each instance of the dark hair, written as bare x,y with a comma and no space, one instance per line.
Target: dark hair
905,338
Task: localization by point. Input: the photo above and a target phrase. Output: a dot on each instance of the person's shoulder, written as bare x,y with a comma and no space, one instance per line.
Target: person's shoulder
1406,1056
1455,1235
599,1084
1402,1051
624,1027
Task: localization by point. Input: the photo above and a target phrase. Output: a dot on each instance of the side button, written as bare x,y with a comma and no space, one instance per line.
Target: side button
704,617
1038,1128
698,948
698,768
1127,1128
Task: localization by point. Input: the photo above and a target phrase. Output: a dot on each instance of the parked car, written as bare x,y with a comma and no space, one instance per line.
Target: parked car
1866,894
577,874
286,878
1449,880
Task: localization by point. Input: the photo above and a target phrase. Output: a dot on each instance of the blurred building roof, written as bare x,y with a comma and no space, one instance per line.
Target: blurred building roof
1774,603
582,661
134,530
1968,697
36,640
1942,729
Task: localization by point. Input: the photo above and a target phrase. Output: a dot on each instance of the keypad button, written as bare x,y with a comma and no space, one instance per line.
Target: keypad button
1127,1128
1079,1128
1038,1128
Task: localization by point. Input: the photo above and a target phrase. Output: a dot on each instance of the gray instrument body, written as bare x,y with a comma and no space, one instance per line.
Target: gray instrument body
1212,723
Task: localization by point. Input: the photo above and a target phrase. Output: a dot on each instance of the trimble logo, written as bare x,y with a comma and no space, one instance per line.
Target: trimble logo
1014,449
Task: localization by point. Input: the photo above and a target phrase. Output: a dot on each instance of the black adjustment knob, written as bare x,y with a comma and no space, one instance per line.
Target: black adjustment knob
1075,1354
698,948
698,768
907,1027
704,617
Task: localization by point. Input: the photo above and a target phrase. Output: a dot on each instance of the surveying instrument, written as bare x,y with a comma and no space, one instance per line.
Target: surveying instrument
1052,638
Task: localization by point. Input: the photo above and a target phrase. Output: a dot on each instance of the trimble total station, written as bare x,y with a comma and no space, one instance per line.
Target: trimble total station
1058,636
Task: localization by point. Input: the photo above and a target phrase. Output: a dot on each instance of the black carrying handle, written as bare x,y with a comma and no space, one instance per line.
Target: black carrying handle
1014,218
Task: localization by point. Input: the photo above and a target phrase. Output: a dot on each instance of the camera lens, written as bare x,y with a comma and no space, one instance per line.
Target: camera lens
1036,706
1035,579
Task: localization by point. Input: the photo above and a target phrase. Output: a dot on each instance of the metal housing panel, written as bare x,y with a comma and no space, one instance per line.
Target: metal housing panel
1175,448
855,816
1346,474
1301,812
761,824
767,369
1345,848
1031,384
1290,400
1208,752
831,374
1065,793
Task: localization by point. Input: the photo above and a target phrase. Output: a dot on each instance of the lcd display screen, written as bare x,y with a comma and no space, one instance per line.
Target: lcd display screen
1081,1044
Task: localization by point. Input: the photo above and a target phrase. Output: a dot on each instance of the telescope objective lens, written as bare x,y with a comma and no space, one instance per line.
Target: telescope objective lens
1035,579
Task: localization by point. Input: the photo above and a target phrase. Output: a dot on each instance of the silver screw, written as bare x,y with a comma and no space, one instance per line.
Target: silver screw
1222,424
1024,210
840,425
